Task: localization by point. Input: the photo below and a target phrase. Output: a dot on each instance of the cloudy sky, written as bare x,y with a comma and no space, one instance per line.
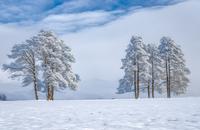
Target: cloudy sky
98,32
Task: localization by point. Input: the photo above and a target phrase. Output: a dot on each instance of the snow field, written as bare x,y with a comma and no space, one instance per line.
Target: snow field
128,114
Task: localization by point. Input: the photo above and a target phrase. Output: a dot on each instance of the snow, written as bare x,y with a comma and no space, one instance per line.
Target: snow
118,114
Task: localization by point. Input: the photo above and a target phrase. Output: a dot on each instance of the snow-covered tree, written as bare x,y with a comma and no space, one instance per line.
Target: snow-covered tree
155,68
45,61
24,64
150,66
135,67
56,59
175,68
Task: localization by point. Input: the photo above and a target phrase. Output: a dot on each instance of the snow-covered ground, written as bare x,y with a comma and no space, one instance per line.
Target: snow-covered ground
124,114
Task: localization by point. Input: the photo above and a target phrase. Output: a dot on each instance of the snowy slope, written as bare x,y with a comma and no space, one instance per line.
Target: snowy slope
142,114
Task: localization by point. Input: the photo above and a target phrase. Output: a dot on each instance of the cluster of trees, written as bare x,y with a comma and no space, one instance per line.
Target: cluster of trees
150,67
44,61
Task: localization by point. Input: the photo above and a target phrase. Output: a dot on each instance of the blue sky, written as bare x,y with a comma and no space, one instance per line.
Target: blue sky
62,13
98,32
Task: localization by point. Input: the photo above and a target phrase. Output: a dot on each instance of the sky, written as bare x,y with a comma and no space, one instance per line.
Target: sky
98,31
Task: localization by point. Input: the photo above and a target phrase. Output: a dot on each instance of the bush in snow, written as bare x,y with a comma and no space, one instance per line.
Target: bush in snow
2,97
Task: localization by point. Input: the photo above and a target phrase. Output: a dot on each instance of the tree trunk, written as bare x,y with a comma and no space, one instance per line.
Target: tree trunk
152,80
169,79
52,93
48,93
152,87
135,84
167,82
35,78
149,96
138,82
35,90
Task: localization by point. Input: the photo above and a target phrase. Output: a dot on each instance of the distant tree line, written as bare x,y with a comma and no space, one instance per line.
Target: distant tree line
149,68
44,61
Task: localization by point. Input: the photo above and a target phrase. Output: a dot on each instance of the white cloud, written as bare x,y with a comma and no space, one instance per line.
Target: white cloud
15,11
76,21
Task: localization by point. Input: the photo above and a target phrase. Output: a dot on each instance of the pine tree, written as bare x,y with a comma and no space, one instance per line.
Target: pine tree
134,65
56,61
175,68
46,55
24,64
155,67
